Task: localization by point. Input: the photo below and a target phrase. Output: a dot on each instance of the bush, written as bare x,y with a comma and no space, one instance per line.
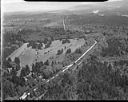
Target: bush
48,44
65,41
68,51
46,63
25,71
17,60
78,51
59,52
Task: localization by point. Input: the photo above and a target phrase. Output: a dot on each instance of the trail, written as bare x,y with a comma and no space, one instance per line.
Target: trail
64,24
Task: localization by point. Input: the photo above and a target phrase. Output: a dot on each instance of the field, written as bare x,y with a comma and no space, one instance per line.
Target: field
28,55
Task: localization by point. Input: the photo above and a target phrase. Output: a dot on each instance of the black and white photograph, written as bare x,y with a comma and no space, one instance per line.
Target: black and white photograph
64,50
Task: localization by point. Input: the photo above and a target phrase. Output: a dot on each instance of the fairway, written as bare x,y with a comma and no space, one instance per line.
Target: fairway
28,55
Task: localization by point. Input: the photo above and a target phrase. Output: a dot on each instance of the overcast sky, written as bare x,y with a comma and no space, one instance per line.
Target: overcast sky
20,5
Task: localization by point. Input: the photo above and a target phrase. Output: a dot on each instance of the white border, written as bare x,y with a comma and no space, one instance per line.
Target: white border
1,48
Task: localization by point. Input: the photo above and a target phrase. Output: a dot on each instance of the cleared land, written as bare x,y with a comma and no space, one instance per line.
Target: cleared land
28,55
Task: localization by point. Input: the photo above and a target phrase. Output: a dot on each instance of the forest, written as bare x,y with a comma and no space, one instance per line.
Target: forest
94,79
116,47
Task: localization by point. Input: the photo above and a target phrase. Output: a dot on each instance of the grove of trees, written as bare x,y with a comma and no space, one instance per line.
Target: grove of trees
79,51
93,81
116,47
59,52
68,51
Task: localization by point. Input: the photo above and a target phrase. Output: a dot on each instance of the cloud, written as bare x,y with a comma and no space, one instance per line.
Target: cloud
12,1
16,6
114,0
20,5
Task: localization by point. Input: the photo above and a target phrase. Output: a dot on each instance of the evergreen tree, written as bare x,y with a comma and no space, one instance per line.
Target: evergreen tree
33,67
9,59
59,52
52,63
41,63
17,67
78,51
68,51
27,69
46,63
23,73
17,60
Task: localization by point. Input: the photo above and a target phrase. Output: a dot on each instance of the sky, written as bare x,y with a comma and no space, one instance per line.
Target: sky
20,5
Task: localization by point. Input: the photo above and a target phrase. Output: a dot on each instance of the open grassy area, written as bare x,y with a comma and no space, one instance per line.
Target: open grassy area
28,55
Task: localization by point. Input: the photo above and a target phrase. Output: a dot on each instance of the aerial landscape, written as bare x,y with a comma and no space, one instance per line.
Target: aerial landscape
79,53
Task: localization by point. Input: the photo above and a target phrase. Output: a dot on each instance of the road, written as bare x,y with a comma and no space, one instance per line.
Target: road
64,69
64,25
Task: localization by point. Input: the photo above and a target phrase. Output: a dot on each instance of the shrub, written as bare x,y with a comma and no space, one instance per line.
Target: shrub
78,51
46,63
17,60
68,51
65,41
59,52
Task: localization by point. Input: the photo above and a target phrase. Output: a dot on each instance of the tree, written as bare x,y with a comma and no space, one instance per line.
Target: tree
65,41
68,51
48,44
40,45
45,40
46,73
46,63
52,38
78,51
13,72
17,60
41,63
17,67
9,59
33,67
25,71
37,67
8,89
28,45
52,63
18,80
100,80
7,64
59,52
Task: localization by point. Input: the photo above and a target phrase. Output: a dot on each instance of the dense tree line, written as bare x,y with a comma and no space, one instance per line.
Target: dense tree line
94,81
65,41
48,44
62,88
116,47
79,51
98,80
68,51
